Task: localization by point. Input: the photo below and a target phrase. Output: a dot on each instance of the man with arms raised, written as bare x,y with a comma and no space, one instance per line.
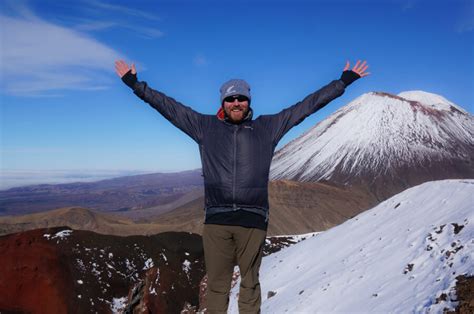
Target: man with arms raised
236,152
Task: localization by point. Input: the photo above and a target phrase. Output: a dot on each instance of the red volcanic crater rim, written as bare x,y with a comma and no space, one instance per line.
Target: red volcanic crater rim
33,274
59,270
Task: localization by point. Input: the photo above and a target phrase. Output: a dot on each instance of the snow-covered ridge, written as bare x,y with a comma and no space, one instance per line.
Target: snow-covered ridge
402,256
429,99
376,133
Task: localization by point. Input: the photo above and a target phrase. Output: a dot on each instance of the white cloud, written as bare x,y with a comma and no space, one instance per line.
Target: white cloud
109,16
407,5
42,58
123,10
91,25
466,23
147,32
142,31
17,178
200,60
38,57
32,150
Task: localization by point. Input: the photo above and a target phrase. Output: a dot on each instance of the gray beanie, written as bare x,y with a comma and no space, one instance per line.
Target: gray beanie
235,87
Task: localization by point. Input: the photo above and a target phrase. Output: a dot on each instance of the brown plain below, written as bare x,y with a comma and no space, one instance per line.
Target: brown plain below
295,208
80,219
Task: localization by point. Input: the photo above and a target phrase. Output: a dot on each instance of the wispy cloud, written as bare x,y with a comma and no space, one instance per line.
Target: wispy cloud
87,25
146,32
38,57
123,10
466,21
32,150
20,8
407,5
139,22
41,58
17,178
200,60
465,26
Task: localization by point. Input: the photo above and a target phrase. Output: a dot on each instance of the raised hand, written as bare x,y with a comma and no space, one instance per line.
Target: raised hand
359,68
121,68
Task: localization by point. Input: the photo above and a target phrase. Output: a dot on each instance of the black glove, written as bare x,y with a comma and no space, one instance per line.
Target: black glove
130,79
348,77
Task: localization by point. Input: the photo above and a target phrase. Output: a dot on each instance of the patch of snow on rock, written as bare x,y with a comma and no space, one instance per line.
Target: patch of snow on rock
187,267
59,235
118,305
148,264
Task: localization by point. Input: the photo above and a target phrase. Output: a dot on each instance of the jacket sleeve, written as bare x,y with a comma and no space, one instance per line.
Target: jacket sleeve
283,121
181,116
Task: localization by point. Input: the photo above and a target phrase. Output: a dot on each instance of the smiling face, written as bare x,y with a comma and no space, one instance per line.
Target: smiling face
236,108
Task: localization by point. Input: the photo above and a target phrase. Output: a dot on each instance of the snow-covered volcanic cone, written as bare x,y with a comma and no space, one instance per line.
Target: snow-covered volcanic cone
385,142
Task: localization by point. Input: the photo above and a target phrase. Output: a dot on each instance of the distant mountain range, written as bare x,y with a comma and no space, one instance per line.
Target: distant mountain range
157,192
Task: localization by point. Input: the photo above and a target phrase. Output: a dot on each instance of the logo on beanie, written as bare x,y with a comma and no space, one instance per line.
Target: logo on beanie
230,89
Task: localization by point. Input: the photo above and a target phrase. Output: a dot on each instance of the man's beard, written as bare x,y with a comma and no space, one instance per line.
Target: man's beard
239,117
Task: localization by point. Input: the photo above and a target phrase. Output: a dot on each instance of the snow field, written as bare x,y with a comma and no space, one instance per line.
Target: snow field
400,256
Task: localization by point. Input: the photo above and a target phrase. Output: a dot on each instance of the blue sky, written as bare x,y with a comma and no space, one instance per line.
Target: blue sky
64,110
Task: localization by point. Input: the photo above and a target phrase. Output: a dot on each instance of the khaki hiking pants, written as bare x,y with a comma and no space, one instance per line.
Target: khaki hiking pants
224,247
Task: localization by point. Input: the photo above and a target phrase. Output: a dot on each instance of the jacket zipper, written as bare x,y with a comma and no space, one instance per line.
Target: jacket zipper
235,167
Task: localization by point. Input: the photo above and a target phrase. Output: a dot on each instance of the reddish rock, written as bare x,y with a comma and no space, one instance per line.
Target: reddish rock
59,270
164,289
464,295
33,275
